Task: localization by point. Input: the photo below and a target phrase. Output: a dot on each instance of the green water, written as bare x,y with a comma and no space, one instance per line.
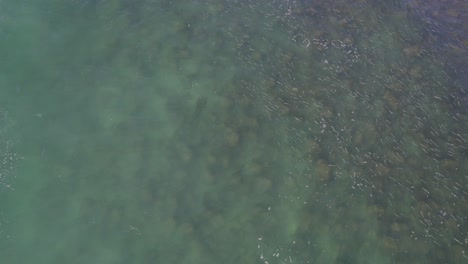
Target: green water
211,131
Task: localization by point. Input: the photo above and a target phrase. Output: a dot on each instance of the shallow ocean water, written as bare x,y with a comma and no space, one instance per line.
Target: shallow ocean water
211,131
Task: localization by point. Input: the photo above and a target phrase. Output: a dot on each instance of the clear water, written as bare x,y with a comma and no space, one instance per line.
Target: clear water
213,131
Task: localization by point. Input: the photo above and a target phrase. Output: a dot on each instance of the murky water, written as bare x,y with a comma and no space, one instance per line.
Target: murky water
213,131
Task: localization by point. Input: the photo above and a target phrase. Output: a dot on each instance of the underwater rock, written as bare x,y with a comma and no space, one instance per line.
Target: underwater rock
446,22
446,17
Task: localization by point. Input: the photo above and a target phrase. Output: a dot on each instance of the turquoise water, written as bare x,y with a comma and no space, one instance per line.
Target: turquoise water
217,131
